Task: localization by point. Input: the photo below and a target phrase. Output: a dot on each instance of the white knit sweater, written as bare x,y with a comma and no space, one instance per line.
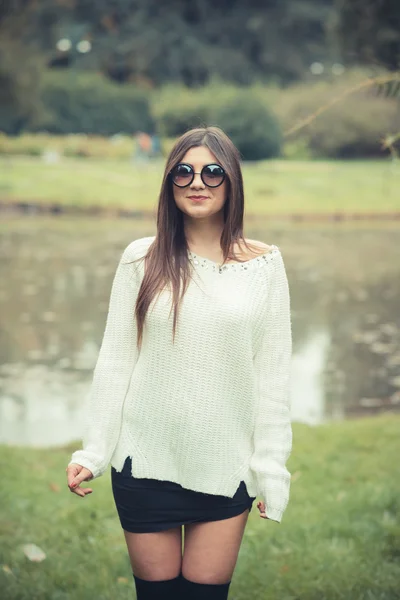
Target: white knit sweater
212,409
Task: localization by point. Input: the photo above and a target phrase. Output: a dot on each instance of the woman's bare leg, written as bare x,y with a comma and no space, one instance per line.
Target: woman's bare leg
155,556
211,549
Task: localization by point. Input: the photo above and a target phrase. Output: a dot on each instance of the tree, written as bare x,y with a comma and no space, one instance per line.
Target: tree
21,64
369,32
188,42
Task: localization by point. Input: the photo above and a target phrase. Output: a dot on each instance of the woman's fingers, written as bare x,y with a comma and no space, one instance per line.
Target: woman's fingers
72,471
261,508
82,491
75,475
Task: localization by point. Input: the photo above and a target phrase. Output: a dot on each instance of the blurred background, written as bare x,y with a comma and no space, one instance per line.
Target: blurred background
92,97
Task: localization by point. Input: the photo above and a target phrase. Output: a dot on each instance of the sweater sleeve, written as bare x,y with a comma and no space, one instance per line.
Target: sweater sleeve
273,431
117,357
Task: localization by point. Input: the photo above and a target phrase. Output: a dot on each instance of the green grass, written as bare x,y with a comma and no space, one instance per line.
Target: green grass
271,187
339,538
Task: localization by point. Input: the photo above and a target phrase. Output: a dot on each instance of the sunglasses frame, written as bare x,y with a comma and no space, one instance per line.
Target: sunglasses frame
201,175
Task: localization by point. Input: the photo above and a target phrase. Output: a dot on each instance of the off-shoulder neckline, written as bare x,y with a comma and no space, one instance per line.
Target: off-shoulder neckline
248,264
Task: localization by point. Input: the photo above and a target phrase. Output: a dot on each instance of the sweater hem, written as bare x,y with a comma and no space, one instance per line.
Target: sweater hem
135,454
141,469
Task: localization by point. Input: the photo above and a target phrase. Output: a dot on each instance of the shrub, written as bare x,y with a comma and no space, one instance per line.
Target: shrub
238,111
20,72
89,103
351,128
252,126
355,128
178,108
175,120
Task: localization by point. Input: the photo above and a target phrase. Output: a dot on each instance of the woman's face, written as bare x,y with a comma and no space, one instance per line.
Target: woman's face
214,198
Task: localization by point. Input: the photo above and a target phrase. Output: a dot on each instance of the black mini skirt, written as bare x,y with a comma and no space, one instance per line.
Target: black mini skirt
146,505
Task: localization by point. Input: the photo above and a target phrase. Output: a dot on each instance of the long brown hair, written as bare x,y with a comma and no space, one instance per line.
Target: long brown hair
166,260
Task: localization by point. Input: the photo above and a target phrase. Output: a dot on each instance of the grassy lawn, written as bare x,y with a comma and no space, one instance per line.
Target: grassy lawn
339,538
271,187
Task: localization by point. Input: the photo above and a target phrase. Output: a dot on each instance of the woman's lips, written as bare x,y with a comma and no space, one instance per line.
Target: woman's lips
198,198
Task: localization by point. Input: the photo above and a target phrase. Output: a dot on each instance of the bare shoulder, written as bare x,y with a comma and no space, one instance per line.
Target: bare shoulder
262,246
256,248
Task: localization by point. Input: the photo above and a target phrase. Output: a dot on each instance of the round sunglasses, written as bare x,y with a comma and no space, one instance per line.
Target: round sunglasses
211,175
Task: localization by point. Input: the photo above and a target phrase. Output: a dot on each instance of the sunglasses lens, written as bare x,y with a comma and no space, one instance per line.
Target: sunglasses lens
182,175
213,175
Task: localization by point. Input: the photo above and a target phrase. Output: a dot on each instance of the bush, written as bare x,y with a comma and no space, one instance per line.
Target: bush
251,125
175,120
86,103
351,128
21,67
89,103
355,129
178,108
238,111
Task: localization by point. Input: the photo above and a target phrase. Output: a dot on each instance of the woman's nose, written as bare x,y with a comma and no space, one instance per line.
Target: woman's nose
197,181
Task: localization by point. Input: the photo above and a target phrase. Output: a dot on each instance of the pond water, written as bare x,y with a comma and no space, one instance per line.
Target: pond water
55,280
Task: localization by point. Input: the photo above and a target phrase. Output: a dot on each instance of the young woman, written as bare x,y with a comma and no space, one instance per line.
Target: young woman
190,395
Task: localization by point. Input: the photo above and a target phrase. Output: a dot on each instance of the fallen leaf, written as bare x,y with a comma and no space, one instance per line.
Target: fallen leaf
34,553
54,487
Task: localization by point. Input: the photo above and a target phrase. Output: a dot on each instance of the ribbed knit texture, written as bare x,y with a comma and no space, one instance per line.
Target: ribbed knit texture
212,409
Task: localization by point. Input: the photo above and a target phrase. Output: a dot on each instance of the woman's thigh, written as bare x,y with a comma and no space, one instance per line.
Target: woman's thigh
155,556
211,549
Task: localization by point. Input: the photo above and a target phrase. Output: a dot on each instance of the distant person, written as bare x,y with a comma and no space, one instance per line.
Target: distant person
193,415
156,149
143,146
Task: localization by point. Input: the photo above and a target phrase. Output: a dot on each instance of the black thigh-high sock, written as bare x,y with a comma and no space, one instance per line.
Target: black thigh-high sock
190,590
167,589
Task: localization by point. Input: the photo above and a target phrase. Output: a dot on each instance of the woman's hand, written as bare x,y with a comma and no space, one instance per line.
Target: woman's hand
75,475
261,508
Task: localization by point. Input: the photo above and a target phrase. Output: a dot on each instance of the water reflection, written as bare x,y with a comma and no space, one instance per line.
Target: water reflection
307,389
55,280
